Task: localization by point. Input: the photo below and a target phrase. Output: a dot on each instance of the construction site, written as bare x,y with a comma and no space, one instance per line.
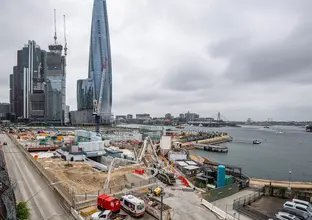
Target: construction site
84,178
92,170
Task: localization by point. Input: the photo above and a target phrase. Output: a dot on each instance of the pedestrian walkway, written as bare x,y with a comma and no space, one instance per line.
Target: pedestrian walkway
226,204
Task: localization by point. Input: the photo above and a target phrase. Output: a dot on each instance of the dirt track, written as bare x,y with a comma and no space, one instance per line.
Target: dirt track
298,185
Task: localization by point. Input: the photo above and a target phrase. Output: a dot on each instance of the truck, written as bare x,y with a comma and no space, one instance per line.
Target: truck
132,205
107,215
105,202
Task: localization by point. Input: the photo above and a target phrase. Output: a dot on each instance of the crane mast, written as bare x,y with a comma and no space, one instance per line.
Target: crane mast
97,103
55,36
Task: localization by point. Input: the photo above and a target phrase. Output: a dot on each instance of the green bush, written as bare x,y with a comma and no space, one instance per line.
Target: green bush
22,211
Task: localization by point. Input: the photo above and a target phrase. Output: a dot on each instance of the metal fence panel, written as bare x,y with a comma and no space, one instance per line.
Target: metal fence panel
222,192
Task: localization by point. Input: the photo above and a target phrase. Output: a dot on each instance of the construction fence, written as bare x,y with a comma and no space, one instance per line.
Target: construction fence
242,205
220,193
115,190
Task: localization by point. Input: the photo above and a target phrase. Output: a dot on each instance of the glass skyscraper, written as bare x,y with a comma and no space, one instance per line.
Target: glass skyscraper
99,56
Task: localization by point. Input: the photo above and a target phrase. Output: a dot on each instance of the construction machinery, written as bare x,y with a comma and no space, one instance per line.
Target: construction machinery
111,167
164,175
152,161
97,103
157,191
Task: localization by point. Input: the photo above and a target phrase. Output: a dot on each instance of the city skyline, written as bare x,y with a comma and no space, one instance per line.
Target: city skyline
215,60
37,84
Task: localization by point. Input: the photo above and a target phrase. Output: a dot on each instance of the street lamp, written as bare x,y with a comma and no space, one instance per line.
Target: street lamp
161,205
289,188
52,184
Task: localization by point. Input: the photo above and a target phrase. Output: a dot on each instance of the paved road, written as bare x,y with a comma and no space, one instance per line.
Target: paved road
43,205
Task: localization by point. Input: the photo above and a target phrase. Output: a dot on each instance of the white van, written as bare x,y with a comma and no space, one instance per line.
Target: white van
132,205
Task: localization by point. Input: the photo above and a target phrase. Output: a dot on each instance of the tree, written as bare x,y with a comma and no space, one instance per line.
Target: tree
22,211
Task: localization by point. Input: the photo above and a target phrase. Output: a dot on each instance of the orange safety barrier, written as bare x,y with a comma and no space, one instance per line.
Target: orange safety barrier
182,178
141,172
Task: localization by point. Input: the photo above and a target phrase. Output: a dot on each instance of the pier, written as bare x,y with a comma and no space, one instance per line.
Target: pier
212,148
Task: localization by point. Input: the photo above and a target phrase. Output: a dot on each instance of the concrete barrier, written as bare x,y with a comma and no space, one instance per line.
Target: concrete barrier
76,214
217,210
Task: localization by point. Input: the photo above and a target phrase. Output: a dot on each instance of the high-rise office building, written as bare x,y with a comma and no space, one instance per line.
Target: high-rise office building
55,85
37,85
90,89
84,94
26,83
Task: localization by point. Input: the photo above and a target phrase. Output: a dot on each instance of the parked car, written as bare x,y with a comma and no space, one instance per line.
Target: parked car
103,215
286,216
300,207
302,202
300,214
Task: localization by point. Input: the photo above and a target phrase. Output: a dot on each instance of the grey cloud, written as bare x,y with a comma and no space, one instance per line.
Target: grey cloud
152,46
189,76
229,47
289,59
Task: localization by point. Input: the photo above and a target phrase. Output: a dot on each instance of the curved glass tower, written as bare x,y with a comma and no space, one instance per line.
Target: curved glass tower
99,58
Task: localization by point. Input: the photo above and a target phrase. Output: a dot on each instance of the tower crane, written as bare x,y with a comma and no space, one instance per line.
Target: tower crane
97,103
65,38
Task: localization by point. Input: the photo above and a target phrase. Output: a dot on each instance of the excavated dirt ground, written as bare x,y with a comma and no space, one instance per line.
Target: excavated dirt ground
83,177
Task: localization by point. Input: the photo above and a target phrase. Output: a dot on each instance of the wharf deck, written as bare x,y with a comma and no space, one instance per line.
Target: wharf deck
212,148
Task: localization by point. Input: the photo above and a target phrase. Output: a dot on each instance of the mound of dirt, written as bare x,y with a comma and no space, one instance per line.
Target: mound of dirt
83,178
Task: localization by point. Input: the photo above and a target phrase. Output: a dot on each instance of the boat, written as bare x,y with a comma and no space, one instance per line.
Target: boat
256,142
308,128
266,127
279,132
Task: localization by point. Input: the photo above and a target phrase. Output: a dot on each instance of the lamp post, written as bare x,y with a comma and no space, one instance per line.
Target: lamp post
289,187
161,205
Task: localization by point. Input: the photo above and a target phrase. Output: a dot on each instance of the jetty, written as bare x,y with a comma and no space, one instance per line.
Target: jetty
212,148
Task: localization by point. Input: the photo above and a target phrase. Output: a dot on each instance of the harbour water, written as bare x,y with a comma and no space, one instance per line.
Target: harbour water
273,158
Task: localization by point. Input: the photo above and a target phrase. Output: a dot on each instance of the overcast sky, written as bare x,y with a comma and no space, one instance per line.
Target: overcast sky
243,58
